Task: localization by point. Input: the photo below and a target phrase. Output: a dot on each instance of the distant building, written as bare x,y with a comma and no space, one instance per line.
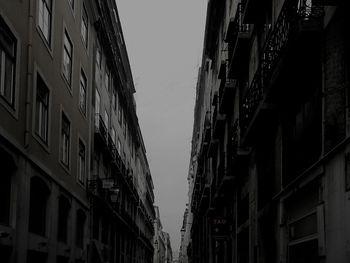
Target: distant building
270,147
162,246
75,182
168,249
185,246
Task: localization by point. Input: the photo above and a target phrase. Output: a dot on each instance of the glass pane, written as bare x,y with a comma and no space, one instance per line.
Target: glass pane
306,252
8,88
304,227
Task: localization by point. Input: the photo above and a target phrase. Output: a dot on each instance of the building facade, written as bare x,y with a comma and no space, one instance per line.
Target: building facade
161,241
168,249
270,147
75,182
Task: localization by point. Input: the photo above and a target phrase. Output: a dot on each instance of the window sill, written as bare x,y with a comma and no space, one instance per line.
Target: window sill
10,109
46,147
47,45
68,86
65,167
82,113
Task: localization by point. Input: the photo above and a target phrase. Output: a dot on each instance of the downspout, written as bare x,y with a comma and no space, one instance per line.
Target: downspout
28,101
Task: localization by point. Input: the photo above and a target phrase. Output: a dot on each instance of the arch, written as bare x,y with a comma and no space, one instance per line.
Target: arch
80,228
39,195
64,206
8,168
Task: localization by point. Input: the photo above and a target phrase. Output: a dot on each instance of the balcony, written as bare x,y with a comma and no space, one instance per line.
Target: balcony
227,96
238,35
252,10
104,189
112,149
219,123
101,131
203,203
290,47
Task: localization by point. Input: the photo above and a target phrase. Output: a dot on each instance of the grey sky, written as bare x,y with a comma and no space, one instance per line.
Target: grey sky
164,39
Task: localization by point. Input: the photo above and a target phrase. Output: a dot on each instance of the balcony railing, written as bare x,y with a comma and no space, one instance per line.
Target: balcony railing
296,16
237,26
227,96
100,128
237,32
112,148
219,122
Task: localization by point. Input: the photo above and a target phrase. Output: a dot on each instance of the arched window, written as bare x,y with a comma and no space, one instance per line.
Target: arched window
39,195
80,227
7,170
63,218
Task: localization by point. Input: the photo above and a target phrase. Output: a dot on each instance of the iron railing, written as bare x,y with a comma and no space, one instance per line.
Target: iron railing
292,13
238,28
101,128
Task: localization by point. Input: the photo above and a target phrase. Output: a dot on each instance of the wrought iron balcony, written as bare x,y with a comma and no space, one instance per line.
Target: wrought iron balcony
236,27
295,20
101,129
219,123
105,189
227,96
207,128
238,33
112,148
252,10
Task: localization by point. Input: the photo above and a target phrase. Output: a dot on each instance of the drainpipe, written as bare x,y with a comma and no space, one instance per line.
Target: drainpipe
29,89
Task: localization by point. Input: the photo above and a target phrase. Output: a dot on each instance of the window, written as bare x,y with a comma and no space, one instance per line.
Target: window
7,170
97,108
98,66
114,100
82,92
106,119
119,147
107,78
5,199
45,17
113,135
63,215
120,113
65,140
7,63
42,110
79,228
81,163
67,58
39,195
125,126
84,26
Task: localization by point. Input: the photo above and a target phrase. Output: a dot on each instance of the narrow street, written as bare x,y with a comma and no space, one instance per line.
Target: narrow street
179,131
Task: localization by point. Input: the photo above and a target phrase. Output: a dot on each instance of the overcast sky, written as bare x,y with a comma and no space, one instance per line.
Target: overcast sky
164,39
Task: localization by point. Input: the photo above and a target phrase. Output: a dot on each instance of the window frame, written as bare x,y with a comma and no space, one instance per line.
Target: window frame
46,39
66,36
45,216
80,228
63,237
42,142
84,22
81,180
83,79
97,109
11,105
67,165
